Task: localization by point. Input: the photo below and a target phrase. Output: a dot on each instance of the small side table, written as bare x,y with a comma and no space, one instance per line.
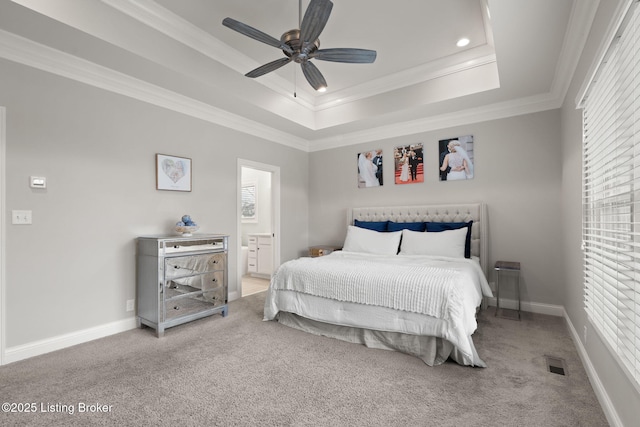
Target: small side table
507,267
315,251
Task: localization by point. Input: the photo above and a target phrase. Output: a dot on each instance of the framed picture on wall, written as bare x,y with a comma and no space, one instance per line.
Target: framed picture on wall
370,169
409,167
173,173
456,158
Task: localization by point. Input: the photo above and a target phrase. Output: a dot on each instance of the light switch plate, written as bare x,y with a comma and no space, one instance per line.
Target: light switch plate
38,182
21,217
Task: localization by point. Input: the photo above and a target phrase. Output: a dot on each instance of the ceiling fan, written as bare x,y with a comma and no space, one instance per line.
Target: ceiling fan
302,45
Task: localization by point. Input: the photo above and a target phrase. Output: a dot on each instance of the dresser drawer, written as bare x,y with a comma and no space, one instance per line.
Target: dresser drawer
182,300
201,282
185,307
216,296
213,280
189,265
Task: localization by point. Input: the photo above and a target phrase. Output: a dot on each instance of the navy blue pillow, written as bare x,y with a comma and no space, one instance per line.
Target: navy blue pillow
413,226
442,226
372,225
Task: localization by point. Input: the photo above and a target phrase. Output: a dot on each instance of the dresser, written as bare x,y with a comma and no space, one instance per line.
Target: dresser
180,279
260,258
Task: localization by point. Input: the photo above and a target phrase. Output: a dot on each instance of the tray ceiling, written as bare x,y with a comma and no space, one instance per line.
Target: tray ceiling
177,54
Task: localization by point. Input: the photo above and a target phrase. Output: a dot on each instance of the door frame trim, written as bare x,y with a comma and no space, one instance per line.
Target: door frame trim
275,216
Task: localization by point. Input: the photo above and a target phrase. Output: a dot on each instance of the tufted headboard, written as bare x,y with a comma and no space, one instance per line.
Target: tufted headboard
435,213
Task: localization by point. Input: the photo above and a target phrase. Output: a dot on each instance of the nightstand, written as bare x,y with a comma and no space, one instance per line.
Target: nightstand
512,269
316,251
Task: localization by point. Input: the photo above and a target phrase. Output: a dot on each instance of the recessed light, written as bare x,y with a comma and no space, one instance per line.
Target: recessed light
462,42
322,89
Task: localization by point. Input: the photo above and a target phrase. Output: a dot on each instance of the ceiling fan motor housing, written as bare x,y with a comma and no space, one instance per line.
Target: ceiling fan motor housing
292,39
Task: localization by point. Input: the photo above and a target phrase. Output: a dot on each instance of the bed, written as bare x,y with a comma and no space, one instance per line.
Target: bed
408,279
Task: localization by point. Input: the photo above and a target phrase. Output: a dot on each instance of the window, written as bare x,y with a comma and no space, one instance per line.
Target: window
611,196
249,203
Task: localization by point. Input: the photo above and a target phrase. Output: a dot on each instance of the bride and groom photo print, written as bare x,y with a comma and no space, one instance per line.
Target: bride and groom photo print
370,169
456,162
456,158
408,164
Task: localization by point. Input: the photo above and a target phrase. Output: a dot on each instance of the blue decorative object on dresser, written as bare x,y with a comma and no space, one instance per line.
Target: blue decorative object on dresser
186,226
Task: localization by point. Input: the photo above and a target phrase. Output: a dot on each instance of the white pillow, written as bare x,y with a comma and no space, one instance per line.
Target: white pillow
448,243
370,241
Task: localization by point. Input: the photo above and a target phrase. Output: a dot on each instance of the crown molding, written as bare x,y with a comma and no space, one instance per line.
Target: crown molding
24,51
605,44
413,76
36,55
575,38
27,52
151,14
499,110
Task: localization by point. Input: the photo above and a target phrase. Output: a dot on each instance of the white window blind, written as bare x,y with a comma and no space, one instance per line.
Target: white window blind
611,196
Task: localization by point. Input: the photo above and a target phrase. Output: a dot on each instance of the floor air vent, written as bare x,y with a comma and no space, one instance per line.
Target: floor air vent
555,365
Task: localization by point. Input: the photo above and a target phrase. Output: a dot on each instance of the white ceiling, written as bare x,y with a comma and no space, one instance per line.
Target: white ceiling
353,23
177,54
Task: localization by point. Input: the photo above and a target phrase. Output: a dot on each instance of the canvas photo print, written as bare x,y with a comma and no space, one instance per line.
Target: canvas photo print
409,165
370,169
456,158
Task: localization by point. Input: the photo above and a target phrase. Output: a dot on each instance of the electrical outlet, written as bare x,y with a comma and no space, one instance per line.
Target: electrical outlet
130,304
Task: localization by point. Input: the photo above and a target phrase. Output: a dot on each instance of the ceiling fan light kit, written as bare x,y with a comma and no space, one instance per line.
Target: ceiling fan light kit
302,45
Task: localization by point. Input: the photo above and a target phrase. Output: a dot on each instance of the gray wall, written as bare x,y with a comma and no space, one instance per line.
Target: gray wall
624,396
74,268
517,174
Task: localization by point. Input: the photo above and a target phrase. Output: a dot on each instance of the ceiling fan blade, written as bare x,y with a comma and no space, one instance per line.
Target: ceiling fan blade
313,75
315,18
255,34
267,68
350,55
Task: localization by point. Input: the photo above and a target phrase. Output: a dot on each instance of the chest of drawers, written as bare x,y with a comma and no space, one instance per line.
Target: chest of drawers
181,279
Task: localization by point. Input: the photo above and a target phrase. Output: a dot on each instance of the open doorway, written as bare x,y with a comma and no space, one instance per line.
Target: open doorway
258,225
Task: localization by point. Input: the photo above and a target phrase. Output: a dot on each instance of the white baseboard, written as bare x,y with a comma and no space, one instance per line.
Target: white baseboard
598,388
36,348
25,351
532,307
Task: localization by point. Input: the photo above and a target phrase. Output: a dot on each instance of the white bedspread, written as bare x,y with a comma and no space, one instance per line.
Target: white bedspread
449,289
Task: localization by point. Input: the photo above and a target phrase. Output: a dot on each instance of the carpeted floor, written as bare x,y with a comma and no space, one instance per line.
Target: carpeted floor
240,370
